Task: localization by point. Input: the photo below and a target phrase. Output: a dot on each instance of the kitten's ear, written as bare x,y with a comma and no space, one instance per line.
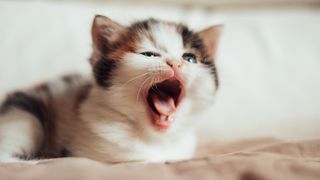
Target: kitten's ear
210,36
104,32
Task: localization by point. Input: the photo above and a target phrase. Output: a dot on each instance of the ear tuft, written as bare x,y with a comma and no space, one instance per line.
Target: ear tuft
210,36
101,20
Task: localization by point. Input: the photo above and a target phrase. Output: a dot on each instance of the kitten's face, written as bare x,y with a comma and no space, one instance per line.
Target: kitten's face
158,74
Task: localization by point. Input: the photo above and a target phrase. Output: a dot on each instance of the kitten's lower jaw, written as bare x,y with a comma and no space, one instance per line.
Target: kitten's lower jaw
162,102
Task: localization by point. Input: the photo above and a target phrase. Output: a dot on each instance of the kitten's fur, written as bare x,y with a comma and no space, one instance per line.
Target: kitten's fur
107,118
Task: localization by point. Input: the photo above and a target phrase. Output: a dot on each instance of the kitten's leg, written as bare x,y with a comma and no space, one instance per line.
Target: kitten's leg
21,135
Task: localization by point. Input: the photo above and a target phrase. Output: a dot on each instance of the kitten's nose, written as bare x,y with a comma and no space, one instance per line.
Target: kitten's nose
174,64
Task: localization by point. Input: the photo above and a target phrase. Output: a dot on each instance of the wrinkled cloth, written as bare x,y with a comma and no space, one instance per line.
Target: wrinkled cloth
244,160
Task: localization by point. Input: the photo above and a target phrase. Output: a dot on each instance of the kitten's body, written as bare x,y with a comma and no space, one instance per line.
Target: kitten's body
109,119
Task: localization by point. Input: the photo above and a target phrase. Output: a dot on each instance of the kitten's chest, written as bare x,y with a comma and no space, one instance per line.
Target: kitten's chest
177,149
119,147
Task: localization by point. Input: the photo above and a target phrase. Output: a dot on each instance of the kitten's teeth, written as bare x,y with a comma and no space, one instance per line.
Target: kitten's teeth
170,118
163,118
166,118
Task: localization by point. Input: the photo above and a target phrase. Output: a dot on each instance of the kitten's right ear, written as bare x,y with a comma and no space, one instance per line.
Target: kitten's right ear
211,37
104,32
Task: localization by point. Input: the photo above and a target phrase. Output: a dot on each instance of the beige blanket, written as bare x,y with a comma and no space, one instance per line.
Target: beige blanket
244,160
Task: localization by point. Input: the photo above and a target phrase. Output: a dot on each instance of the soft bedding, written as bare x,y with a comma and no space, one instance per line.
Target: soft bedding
244,160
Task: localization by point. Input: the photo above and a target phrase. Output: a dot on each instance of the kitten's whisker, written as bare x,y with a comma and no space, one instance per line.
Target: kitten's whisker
134,78
137,98
152,83
157,89
155,85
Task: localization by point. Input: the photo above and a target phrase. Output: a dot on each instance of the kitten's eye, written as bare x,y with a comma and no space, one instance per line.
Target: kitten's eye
189,57
150,54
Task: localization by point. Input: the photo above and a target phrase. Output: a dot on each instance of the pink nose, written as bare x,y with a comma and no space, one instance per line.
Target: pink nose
174,64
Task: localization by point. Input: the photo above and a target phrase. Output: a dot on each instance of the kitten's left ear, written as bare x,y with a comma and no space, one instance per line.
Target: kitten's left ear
210,36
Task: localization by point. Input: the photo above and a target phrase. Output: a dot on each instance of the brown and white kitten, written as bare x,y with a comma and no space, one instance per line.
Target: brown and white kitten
151,80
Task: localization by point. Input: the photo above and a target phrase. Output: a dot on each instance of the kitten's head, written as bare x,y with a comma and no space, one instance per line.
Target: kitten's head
157,74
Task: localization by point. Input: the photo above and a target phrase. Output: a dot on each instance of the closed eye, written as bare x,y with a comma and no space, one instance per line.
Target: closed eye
150,54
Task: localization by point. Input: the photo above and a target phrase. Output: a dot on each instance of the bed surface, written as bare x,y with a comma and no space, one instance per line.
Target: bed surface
255,159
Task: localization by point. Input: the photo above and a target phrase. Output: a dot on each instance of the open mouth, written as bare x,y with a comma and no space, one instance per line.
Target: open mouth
163,100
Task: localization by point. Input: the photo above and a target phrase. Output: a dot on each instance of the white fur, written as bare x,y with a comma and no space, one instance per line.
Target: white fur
20,132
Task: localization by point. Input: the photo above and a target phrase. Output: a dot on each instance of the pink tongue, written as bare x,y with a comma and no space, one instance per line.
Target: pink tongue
164,105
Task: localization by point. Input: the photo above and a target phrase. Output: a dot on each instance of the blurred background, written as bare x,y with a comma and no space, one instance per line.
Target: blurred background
268,59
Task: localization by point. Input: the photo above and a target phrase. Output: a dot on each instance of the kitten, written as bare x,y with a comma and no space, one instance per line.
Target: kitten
150,81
